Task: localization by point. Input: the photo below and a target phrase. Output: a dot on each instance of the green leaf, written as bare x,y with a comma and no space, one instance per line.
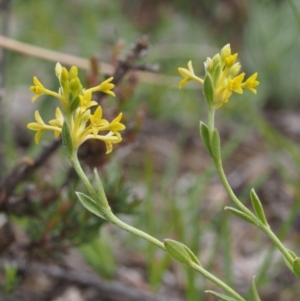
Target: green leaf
258,208
204,133
89,204
241,214
74,104
288,264
216,74
296,267
180,252
67,139
220,296
208,89
254,290
216,145
101,197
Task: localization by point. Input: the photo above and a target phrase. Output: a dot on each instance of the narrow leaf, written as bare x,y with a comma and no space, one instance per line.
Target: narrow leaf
220,296
180,252
89,204
258,208
100,190
296,267
192,256
216,145
66,138
288,264
216,74
208,89
204,133
241,214
254,290
74,104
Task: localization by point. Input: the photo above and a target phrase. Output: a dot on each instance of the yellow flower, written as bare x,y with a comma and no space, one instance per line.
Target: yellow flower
40,127
76,103
188,74
230,60
39,90
97,123
115,125
86,101
251,83
105,87
235,85
57,122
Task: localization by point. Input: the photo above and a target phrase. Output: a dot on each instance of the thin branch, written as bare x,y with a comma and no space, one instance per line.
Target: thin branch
66,59
24,169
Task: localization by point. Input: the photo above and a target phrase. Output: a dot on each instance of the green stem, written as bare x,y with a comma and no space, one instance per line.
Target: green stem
108,213
76,164
230,192
217,281
243,208
278,243
237,202
114,220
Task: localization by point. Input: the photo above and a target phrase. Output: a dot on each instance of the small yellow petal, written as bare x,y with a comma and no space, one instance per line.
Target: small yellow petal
185,72
38,117
37,136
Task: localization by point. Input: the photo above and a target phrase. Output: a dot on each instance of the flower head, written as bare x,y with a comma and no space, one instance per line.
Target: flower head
223,75
76,104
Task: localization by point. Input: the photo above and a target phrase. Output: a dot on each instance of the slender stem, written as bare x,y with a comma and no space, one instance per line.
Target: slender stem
279,244
114,220
108,213
217,281
239,204
230,192
76,164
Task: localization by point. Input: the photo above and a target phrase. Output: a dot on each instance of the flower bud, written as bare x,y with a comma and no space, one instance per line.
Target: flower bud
235,69
75,86
58,70
216,59
73,72
209,65
225,52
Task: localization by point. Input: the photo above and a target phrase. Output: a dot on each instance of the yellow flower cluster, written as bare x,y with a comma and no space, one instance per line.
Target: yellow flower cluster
223,72
76,103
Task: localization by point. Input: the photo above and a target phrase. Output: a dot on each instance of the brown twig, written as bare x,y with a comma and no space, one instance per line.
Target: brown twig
24,169
66,59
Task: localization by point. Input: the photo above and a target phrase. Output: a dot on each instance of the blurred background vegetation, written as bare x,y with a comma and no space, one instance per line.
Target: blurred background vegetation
164,179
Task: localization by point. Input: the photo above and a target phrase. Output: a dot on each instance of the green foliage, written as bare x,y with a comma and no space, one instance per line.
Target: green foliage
11,279
89,204
208,89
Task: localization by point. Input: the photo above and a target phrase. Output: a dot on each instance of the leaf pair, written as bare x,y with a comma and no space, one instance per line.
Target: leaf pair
211,141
